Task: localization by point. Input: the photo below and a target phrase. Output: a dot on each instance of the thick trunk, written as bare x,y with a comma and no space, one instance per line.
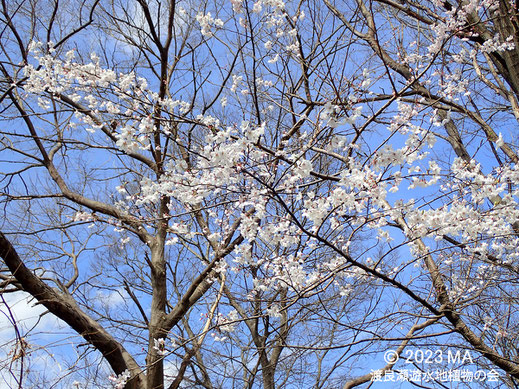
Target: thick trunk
154,361
507,24
267,371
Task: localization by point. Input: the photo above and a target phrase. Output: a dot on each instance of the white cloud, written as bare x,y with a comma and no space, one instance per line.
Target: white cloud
38,329
170,372
28,316
112,299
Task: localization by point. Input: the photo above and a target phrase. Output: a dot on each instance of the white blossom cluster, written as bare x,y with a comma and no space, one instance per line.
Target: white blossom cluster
80,83
207,23
119,381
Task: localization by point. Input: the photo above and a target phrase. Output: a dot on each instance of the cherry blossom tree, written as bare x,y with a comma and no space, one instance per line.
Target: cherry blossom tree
260,194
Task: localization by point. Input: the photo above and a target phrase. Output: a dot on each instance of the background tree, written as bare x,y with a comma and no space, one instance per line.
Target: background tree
260,194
